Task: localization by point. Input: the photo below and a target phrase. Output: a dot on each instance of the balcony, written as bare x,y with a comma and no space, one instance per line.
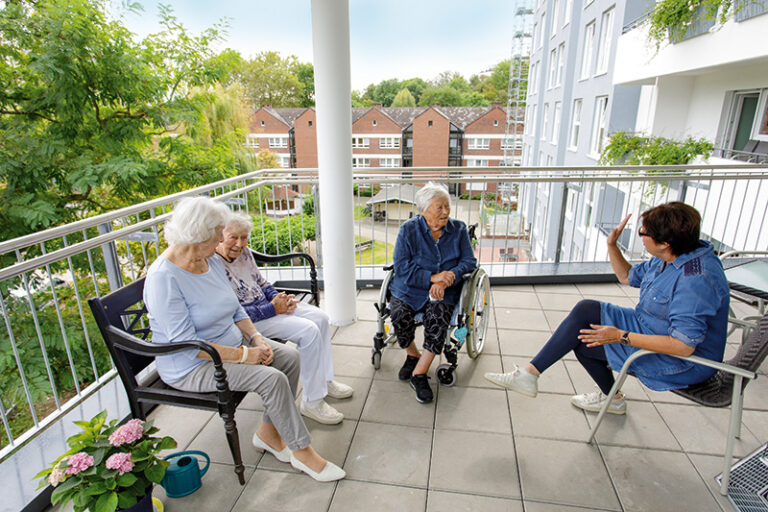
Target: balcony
544,249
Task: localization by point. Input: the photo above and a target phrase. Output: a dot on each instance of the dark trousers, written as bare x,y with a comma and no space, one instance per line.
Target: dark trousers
565,338
437,320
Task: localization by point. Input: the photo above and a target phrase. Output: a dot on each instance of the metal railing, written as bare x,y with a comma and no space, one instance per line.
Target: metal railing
741,156
532,221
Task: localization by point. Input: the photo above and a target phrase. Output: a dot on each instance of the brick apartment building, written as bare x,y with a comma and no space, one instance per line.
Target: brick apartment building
392,136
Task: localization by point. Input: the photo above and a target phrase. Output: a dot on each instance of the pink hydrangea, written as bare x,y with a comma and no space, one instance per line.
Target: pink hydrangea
121,462
79,462
128,433
57,476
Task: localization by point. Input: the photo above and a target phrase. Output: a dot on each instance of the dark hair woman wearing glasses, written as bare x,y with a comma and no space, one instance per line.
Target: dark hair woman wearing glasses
682,310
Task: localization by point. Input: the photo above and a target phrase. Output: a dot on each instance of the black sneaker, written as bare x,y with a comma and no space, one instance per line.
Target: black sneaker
407,370
420,383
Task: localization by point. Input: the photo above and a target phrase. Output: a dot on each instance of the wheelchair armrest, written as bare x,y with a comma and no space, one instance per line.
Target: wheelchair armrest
132,344
389,267
725,367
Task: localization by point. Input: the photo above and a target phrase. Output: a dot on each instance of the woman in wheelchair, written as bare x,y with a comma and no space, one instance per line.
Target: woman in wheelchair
278,315
682,310
188,297
432,253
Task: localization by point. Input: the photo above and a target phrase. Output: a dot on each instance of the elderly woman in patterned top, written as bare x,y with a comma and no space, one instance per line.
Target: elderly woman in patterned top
278,315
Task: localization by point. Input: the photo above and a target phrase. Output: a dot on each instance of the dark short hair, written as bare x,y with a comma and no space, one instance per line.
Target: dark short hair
675,223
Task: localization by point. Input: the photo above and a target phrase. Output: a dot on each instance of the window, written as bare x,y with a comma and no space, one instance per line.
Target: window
598,125
374,122
262,123
534,35
358,162
389,162
309,123
284,161
429,123
567,12
555,16
514,142
389,142
570,203
278,142
495,122
532,74
586,56
606,37
573,140
478,143
252,141
552,69
556,122
544,122
543,27
560,58
361,142
477,163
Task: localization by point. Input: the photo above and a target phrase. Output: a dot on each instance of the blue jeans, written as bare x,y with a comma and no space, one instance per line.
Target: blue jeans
565,338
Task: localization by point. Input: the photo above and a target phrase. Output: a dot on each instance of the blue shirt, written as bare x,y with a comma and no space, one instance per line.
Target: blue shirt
687,299
182,306
418,256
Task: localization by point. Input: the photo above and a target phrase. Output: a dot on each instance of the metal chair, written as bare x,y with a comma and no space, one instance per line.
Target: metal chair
724,388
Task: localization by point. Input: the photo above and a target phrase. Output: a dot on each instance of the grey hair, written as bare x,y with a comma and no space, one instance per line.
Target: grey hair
238,222
195,220
426,194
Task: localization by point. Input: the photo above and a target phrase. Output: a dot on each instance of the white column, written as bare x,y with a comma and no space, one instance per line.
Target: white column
330,42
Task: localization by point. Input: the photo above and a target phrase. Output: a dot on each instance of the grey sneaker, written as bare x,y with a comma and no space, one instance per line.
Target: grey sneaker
519,380
595,400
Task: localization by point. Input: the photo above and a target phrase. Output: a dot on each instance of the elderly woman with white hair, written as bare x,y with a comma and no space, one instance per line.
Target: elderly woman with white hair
279,315
432,253
188,297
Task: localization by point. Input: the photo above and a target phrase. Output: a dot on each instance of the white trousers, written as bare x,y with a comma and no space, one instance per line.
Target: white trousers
308,328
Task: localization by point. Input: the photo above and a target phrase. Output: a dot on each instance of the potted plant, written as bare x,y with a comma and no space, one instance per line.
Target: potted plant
108,467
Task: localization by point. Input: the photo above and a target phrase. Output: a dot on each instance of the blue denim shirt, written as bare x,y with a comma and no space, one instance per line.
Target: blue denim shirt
686,299
417,256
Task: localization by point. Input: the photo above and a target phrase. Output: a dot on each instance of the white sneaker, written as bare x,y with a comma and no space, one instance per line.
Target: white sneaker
595,400
519,380
322,413
339,390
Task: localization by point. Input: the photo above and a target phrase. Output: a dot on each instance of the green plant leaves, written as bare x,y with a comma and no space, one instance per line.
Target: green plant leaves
106,503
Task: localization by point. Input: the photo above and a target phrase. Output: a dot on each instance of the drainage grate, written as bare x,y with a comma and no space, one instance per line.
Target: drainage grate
748,487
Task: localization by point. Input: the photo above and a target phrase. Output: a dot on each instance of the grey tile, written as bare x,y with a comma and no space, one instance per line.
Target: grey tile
557,288
554,380
514,299
755,395
213,441
583,383
366,310
475,409
641,427
330,441
359,334
530,319
440,501
756,422
181,423
703,429
601,289
352,407
651,480
276,491
470,371
475,463
538,506
390,454
710,466
220,491
369,294
352,362
394,402
547,469
527,288
548,416
351,495
555,318
521,342
559,301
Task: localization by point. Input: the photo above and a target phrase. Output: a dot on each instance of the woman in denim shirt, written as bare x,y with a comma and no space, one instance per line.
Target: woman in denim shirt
432,253
682,310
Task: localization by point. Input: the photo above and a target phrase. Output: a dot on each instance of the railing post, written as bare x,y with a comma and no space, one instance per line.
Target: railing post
111,261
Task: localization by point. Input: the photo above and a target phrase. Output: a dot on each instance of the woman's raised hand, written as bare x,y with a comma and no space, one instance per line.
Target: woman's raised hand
616,232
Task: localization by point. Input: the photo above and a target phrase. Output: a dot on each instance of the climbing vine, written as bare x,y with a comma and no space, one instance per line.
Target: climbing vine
670,19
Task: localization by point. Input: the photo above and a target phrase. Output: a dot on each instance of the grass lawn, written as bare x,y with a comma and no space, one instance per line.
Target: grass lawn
361,213
380,254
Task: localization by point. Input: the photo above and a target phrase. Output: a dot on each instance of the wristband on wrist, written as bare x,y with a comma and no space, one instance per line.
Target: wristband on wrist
250,338
244,357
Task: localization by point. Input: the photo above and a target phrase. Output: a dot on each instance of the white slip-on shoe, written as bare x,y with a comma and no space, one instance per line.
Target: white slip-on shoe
338,390
519,380
283,455
595,400
330,473
322,413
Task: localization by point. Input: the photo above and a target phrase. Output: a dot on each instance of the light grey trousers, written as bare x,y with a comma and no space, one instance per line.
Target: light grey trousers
276,385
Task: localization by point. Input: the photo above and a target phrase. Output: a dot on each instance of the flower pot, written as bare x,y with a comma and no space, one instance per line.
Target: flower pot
143,505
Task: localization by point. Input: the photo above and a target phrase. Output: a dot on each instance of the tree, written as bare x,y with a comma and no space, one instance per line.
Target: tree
445,96
415,86
270,79
305,72
404,98
84,111
386,91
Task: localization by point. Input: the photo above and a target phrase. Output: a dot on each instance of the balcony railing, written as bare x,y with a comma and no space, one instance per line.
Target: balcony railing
741,156
534,225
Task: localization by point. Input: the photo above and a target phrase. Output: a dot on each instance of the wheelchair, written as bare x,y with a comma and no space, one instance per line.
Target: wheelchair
469,322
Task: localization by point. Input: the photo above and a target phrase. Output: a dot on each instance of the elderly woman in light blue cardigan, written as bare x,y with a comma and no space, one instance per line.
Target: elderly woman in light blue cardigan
188,297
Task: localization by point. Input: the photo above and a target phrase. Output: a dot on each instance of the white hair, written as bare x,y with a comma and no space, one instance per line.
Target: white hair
238,222
195,220
426,194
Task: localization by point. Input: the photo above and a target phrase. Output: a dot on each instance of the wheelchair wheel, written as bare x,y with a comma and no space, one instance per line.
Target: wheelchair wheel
376,359
477,314
446,375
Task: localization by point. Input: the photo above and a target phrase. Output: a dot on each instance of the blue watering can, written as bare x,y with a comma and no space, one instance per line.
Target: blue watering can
184,475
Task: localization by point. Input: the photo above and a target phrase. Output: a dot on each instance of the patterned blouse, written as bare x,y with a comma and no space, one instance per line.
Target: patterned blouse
253,290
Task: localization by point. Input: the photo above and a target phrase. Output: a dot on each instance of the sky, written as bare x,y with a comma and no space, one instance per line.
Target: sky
388,38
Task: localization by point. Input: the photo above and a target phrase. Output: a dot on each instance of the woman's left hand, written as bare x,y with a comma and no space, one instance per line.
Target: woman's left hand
599,335
269,356
437,291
